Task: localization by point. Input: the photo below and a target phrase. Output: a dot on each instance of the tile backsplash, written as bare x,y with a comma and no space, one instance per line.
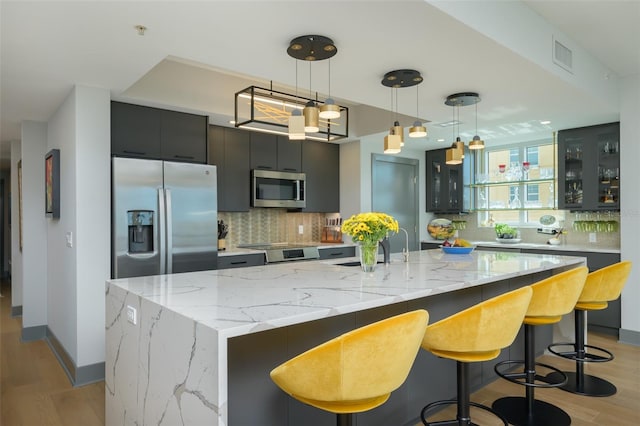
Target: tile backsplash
272,225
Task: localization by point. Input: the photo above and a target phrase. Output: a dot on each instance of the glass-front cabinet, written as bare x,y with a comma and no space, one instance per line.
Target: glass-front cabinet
445,184
589,168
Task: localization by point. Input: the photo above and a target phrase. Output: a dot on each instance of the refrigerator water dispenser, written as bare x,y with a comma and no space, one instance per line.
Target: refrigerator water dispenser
140,231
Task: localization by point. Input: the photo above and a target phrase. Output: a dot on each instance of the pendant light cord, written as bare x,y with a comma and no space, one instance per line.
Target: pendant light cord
417,104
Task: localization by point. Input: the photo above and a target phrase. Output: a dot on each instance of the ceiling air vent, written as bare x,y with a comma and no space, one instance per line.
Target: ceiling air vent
562,56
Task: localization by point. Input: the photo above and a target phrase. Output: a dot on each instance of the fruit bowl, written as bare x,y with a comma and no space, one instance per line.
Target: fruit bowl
457,250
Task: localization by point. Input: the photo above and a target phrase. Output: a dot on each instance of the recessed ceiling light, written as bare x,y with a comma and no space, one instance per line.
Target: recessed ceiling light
140,29
545,122
440,140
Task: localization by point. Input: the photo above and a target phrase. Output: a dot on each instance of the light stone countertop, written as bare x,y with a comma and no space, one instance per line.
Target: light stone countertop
240,301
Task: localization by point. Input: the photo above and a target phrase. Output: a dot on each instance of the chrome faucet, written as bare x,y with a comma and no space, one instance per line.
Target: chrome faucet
405,249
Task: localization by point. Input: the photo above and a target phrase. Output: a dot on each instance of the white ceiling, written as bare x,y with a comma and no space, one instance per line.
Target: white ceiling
195,55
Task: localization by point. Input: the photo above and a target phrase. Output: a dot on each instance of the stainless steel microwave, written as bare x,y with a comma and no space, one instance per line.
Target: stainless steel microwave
277,189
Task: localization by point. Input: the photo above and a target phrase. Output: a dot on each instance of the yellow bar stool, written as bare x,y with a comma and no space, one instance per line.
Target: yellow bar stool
358,370
475,334
602,286
552,298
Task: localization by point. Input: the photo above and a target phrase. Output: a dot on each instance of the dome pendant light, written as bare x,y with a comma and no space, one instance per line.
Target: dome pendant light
417,130
476,142
329,110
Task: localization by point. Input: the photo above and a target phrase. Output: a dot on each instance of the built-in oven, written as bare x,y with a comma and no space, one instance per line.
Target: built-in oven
277,189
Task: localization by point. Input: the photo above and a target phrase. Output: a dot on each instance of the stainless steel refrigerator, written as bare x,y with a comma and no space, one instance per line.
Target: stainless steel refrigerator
164,217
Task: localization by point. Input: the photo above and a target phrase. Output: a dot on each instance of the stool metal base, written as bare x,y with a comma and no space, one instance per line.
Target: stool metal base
586,384
515,409
460,421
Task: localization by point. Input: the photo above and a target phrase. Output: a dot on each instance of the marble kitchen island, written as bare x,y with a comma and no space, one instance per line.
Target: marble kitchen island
196,348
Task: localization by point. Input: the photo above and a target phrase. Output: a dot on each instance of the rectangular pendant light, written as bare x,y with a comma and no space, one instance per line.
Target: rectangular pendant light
392,144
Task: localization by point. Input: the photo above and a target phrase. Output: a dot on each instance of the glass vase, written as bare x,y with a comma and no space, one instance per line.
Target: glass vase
368,255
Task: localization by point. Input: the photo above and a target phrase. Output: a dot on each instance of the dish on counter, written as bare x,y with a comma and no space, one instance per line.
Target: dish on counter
440,229
457,250
508,240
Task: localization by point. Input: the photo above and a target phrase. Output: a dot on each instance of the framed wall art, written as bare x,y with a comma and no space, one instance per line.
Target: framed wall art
52,183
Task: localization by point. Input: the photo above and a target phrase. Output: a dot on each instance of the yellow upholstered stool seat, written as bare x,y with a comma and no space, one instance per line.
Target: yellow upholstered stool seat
358,370
473,335
601,287
552,298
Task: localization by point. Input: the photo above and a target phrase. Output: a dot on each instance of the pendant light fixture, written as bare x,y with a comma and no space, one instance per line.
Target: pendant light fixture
329,110
399,79
454,154
393,141
456,101
296,120
476,142
312,48
417,130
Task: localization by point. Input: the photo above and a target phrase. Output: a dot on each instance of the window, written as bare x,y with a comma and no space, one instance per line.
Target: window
516,184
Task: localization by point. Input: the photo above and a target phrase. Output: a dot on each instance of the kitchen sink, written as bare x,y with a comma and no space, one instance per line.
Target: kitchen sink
356,263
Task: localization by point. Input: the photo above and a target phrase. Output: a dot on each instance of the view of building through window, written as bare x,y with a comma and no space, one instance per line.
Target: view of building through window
516,184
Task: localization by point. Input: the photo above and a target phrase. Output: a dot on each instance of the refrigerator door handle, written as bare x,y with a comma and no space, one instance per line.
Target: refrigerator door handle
169,228
162,223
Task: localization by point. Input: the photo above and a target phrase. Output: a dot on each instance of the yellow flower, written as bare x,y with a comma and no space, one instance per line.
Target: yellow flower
370,226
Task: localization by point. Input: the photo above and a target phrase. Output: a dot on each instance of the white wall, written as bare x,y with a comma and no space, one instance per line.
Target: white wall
93,226
630,202
80,128
34,226
61,265
16,251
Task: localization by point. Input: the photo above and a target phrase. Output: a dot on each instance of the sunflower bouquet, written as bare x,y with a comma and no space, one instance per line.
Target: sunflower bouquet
369,228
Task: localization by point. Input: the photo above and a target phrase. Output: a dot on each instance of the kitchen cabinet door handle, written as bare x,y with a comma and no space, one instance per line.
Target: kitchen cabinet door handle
134,152
290,169
239,262
264,168
184,157
336,253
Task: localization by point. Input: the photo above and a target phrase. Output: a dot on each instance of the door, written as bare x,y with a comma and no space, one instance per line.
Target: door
192,216
395,192
135,219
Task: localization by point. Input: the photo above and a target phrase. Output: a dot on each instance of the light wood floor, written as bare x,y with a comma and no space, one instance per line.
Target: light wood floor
36,392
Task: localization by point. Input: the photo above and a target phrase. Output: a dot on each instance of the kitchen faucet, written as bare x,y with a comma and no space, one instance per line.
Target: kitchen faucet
405,249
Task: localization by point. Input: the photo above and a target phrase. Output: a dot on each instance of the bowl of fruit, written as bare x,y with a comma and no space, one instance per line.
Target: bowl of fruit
458,246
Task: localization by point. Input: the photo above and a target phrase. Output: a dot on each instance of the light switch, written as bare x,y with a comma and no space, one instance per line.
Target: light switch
132,315
69,239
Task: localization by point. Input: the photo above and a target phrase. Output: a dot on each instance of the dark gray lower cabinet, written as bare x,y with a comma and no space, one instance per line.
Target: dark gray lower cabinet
255,399
336,252
606,320
429,246
240,260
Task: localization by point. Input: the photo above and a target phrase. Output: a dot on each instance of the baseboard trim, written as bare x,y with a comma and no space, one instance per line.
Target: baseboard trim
29,334
16,311
79,376
630,337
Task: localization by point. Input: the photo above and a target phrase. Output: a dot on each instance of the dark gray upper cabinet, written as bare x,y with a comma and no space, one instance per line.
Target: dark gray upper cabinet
321,164
229,151
589,168
289,155
264,151
445,184
135,131
183,137
145,132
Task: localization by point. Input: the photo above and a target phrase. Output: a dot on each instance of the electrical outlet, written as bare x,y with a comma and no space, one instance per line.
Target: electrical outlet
69,239
592,237
300,229
132,315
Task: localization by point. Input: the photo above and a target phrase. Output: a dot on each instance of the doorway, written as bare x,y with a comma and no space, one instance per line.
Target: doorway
394,187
